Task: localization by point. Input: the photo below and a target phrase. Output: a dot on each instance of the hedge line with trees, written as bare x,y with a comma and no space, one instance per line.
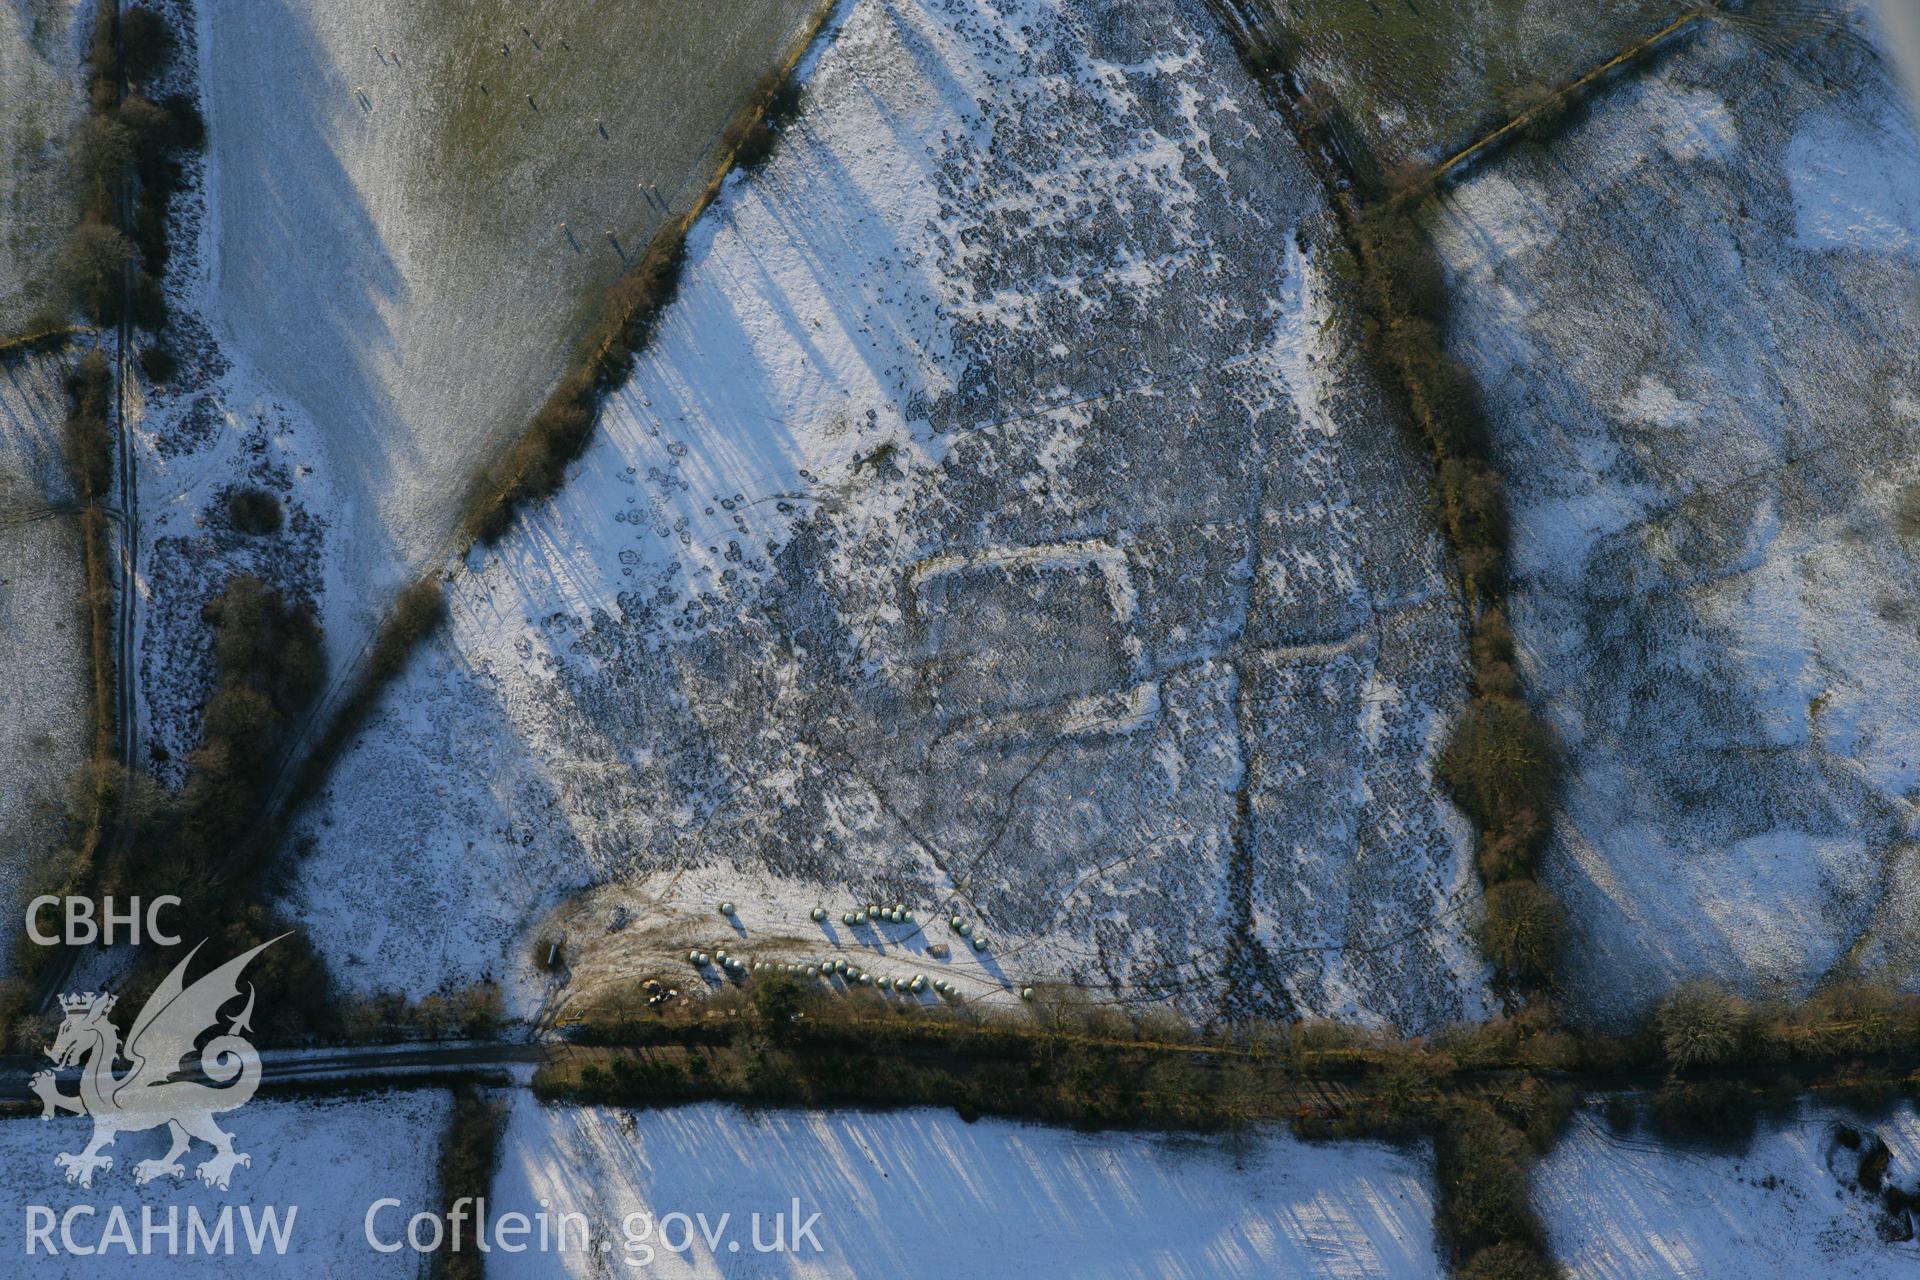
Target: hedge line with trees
87,448
1492,1097
469,1154
1501,762
125,164
200,842
124,167
414,616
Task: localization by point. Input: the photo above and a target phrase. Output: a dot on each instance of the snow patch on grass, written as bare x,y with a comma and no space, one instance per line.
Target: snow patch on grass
1852,185
41,100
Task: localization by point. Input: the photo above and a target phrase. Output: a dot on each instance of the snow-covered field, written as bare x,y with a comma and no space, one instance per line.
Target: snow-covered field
40,102
1696,319
920,1193
1619,1207
327,1159
1001,523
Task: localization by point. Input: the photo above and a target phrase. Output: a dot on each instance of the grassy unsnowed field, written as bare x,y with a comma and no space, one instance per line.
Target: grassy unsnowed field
1001,523
42,622
1695,319
43,737
43,637
410,210
1418,77
40,102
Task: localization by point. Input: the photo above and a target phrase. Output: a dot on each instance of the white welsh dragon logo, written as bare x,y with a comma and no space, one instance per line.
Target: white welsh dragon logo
147,1096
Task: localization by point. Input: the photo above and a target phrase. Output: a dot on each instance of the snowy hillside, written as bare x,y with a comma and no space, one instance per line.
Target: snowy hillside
416,207
41,99
1002,524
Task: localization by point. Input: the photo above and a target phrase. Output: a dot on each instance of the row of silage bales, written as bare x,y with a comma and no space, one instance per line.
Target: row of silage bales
979,941
874,913
732,965
850,975
871,913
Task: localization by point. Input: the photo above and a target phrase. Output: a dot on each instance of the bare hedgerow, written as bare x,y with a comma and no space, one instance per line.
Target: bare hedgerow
89,435
469,1155
1509,1260
101,159
1523,930
1702,1024
1851,1018
1500,761
1481,1166
478,1009
146,43
92,263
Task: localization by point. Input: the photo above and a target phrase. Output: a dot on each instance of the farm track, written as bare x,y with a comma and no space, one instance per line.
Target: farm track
126,710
